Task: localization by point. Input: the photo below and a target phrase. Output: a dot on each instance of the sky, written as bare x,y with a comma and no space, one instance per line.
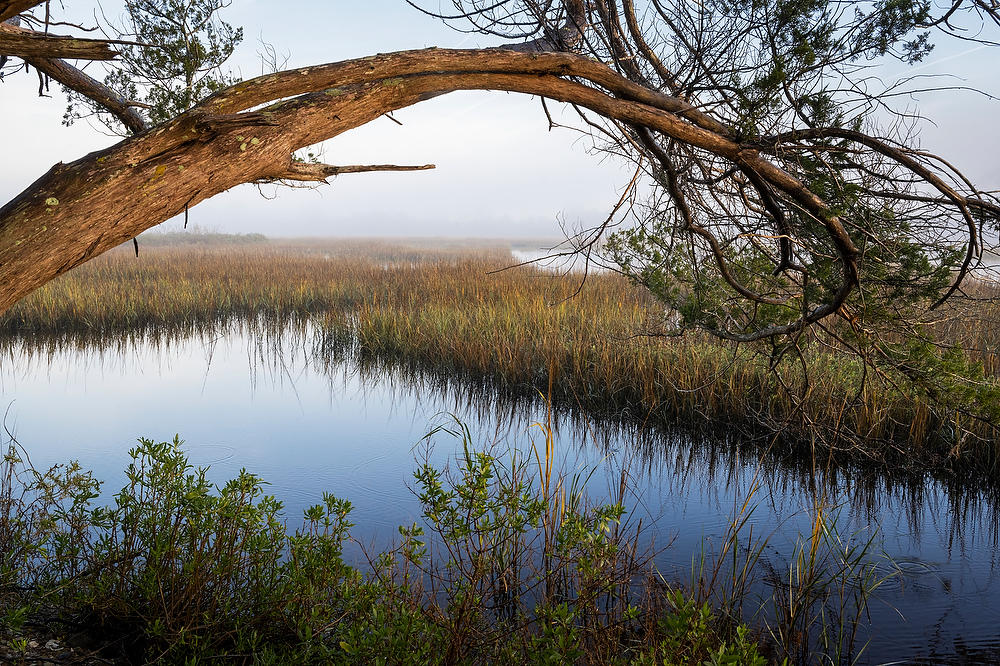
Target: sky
500,171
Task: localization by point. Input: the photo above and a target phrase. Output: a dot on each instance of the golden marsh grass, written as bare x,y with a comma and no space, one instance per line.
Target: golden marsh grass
446,310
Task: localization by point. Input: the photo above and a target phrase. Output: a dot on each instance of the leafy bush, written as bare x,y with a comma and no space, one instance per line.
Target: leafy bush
509,565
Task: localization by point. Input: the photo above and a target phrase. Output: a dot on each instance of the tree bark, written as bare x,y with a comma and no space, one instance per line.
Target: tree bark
11,8
23,43
79,210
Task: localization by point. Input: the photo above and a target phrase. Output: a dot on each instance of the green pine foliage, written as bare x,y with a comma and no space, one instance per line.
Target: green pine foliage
181,48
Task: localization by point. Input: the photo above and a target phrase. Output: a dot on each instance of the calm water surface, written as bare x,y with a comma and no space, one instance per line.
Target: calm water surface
308,422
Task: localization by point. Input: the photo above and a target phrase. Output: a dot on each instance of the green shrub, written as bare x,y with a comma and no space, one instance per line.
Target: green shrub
510,564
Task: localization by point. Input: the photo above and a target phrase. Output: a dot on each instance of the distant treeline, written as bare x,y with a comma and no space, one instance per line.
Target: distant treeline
198,237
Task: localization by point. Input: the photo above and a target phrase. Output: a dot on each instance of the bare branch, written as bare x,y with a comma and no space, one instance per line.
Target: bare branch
313,172
76,79
23,43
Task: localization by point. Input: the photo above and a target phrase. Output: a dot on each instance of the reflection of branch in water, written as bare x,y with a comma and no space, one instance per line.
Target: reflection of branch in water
210,347
12,441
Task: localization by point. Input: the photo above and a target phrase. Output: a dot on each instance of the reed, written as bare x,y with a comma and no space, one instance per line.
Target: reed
444,310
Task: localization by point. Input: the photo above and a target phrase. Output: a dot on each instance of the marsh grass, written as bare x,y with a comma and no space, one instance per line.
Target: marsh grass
446,310
813,601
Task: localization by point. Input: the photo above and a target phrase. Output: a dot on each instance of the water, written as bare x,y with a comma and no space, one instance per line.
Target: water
308,422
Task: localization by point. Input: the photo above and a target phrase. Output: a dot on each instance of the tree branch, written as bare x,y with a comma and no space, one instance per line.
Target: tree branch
151,177
23,43
11,8
311,172
142,181
76,79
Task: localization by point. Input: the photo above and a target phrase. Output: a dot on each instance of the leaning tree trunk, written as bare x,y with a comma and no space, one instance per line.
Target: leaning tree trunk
249,132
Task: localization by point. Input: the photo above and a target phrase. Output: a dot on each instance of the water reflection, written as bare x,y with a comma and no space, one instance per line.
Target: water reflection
309,414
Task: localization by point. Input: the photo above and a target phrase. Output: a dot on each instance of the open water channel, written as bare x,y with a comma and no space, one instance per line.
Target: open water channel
309,421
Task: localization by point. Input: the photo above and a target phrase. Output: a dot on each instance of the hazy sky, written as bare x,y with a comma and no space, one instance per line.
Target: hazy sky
500,171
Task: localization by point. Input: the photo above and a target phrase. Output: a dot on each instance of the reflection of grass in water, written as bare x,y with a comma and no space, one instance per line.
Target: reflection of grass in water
679,456
441,309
